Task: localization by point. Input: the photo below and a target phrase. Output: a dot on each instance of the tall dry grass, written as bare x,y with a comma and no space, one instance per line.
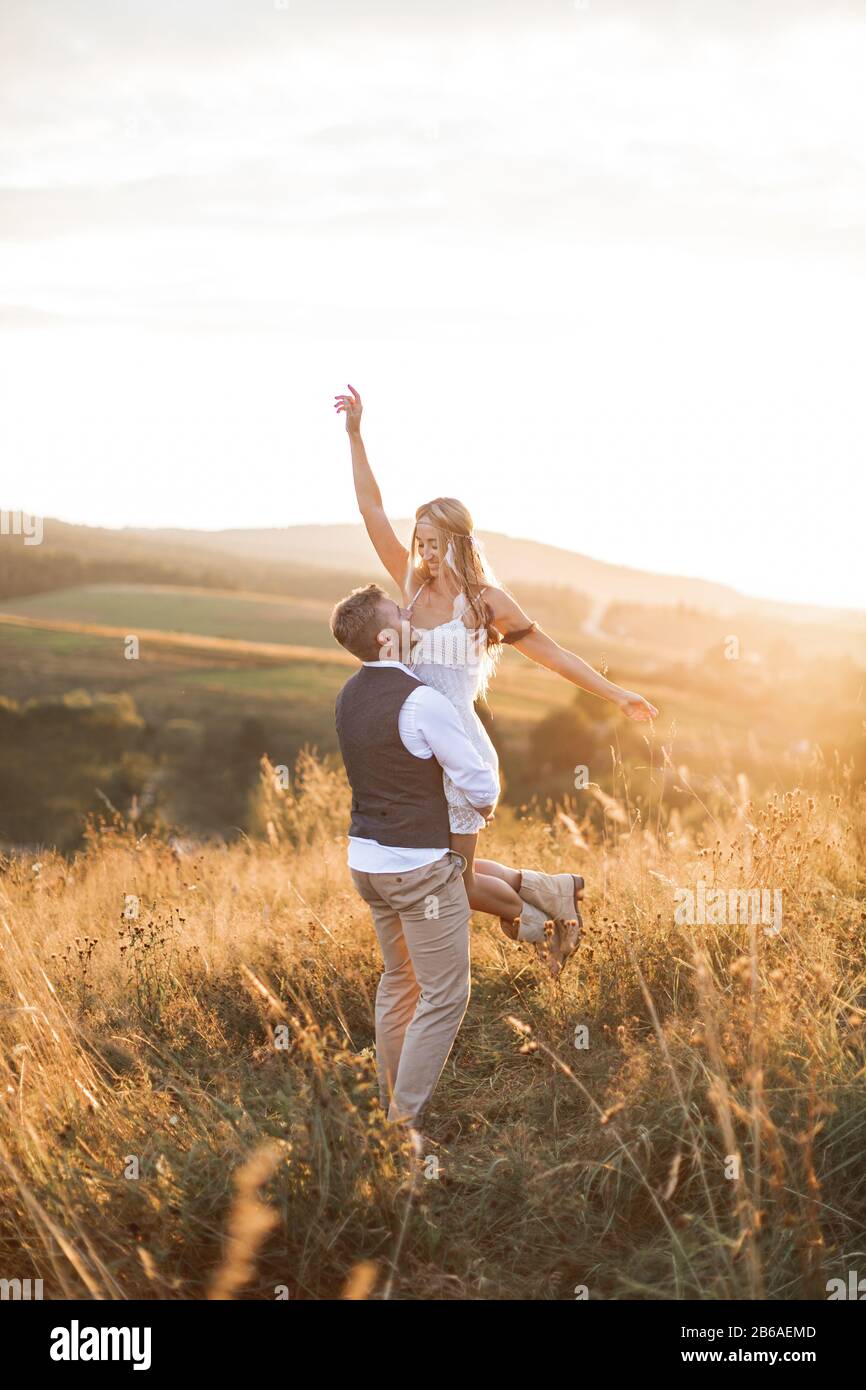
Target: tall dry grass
189,1106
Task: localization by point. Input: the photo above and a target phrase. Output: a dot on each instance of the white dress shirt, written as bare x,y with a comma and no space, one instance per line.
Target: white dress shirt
429,727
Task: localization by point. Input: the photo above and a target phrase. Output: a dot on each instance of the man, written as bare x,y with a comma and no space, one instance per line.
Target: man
396,736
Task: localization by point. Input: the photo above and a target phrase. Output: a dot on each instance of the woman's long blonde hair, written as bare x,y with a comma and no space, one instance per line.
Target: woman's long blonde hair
462,554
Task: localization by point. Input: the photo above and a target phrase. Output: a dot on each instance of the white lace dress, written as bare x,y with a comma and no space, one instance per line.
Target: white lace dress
451,658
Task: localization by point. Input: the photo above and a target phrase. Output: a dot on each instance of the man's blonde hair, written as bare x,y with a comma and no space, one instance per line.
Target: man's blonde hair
355,621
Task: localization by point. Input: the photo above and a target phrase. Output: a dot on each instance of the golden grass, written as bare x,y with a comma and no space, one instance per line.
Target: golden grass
189,1100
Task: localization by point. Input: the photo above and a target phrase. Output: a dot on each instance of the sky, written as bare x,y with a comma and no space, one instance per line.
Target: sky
597,268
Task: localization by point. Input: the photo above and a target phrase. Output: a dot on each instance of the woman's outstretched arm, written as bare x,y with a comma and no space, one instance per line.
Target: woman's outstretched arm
394,555
508,617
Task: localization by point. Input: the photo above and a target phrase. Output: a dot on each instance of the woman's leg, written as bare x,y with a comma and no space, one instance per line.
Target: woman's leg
556,894
489,867
492,892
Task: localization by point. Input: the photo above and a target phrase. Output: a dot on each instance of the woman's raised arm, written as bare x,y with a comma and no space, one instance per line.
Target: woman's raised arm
392,553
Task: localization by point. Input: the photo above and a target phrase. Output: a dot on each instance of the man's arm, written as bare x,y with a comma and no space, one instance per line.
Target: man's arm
438,726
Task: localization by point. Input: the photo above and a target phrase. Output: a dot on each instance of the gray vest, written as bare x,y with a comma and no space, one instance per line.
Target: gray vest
397,799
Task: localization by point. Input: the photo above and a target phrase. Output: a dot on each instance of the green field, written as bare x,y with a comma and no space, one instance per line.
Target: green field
137,607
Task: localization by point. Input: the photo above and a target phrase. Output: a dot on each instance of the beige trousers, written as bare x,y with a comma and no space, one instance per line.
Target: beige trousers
422,922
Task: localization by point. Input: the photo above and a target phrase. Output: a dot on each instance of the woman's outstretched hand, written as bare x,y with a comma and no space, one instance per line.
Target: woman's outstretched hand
636,707
353,408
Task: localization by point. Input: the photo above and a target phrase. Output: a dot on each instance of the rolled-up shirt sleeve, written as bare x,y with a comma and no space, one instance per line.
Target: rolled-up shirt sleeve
428,719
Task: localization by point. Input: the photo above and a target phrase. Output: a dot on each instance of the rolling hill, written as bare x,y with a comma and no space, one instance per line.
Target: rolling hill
516,561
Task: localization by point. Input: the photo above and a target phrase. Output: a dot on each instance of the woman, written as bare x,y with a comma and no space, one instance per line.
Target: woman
460,620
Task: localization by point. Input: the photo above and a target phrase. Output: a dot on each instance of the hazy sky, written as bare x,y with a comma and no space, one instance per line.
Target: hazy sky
597,268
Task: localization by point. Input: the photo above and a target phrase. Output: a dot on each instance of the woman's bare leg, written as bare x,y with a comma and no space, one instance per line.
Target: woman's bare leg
489,892
489,867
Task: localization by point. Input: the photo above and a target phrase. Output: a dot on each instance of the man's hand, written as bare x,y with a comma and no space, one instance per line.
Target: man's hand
352,407
488,812
636,707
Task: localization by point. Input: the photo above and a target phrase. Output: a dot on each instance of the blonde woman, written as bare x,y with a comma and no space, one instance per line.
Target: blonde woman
460,619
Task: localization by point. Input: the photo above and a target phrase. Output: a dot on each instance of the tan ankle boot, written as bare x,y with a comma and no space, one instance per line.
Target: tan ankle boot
557,895
531,925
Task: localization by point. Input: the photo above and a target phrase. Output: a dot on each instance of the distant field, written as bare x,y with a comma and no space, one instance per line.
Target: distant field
250,617
520,694
40,661
242,617
42,642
